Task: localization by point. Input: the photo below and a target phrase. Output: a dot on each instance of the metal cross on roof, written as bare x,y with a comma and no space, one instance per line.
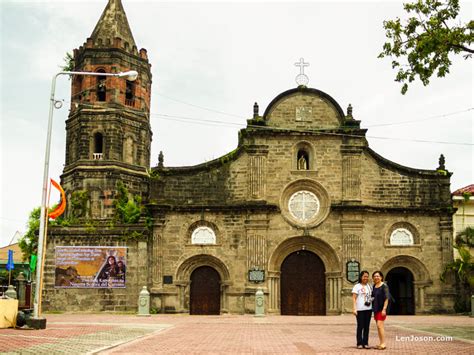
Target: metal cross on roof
301,78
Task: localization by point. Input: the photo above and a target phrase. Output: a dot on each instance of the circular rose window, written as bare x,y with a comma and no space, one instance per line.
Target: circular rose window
303,205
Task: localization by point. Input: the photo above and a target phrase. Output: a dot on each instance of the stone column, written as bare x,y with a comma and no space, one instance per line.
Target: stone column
446,238
273,282
181,285
420,295
351,166
256,175
224,298
352,226
333,296
157,254
142,270
256,227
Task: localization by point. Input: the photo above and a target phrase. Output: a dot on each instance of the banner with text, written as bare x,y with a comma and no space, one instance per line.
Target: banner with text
90,267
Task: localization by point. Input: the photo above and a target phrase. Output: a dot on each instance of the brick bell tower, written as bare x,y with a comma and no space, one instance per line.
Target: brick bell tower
108,134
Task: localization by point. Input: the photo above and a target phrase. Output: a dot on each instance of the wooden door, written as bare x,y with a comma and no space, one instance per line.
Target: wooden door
205,291
303,286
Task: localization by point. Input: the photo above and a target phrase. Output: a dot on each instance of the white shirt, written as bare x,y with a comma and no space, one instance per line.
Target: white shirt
364,293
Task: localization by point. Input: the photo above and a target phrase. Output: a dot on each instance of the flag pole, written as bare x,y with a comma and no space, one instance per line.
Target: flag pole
44,250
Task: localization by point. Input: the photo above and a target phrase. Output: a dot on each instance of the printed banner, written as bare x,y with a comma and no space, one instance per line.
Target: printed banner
90,267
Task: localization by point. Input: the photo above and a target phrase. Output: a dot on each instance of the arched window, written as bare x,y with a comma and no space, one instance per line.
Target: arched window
203,235
129,93
98,146
101,87
401,236
302,160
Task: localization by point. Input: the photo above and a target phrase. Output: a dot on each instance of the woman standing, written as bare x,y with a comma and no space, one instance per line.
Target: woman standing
381,296
362,309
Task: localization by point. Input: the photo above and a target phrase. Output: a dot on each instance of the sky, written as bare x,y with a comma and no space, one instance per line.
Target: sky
210,62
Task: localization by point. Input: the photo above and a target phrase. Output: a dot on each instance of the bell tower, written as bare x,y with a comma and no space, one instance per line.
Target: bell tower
108,134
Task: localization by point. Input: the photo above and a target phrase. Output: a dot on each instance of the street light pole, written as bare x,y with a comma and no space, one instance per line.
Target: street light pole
37,321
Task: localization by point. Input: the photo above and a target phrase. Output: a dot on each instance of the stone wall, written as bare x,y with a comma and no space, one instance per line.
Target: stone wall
97,299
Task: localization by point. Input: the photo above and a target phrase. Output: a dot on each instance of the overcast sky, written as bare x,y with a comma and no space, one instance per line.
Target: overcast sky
212,61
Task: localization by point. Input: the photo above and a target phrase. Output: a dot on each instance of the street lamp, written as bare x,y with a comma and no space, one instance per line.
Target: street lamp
37,321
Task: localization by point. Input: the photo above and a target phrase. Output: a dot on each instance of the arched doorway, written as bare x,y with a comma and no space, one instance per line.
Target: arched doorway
303,287
205,291
400,282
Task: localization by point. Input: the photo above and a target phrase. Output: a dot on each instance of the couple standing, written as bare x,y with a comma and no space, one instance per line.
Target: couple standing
367,299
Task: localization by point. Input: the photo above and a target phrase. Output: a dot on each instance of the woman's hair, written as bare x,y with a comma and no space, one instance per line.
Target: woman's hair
362,274
112,257
378,272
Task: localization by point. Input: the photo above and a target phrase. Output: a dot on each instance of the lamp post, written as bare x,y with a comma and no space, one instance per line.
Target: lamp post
38,322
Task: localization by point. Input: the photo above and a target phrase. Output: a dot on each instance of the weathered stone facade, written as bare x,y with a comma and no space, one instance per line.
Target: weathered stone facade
302,182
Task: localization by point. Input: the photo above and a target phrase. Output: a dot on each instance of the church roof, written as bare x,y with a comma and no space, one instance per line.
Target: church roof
463,190
113,23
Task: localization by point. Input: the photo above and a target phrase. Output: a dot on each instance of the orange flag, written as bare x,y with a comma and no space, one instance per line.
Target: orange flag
62,203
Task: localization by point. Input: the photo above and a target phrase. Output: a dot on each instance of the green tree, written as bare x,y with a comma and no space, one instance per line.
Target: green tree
463,268
29,242
68,62
426,39
466,237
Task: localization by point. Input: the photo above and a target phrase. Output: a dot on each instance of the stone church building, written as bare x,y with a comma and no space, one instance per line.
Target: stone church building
297,209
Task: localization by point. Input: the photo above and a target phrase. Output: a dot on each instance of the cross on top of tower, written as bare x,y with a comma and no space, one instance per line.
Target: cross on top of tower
301,64
301,78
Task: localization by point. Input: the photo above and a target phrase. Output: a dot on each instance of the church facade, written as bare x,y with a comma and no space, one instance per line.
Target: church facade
296,210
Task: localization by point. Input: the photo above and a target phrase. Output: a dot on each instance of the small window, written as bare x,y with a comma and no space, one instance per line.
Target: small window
401,236
129,93
203,235
101,87
302,162
98,146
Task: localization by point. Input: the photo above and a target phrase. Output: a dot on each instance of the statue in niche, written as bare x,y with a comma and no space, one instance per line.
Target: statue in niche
302,163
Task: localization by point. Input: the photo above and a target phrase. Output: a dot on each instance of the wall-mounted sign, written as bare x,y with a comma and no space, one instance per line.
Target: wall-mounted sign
352,271
256,275
90,267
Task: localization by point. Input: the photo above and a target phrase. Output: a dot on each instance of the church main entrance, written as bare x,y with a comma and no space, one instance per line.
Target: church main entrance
303,287
400,282
205,291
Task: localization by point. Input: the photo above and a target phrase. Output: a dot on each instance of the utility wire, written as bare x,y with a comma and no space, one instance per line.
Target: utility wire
421,120
207,122
197,106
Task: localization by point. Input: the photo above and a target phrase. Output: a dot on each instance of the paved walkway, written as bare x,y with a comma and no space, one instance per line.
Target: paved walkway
233,334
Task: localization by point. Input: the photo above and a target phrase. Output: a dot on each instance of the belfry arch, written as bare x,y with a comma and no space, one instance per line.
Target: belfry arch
333,274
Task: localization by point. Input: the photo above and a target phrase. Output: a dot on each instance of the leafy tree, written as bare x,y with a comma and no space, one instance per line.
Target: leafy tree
68,62
29,242
463,268
466,237
426,40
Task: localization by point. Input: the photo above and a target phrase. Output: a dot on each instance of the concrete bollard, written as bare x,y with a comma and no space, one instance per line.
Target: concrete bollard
21,289
144,303
11,293
259,303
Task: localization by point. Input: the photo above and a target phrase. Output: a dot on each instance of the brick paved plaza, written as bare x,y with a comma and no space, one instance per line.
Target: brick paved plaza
234,334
